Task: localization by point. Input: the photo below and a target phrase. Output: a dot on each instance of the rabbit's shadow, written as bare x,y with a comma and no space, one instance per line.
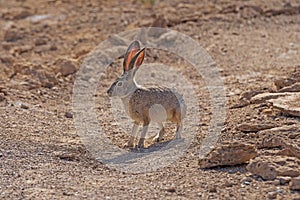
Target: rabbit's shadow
153,147
135,154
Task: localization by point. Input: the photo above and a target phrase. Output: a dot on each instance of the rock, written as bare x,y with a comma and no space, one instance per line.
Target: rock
269,167
47,80
290,10
284,82
291,88
248,11
21,49
276,182
53,47
24,106
262,168
250,127
66,193
171,189
229,183
212,189
246,183
288,104
68,156
21,14
291,172
40,41
295,183
248,95
272,195
65,66
2,98
267,141
288,82
240,104
69,115
291,149
260,98
229,154
8,59
160,21
3,101
12,35
246,180
284,180
286,137
268,111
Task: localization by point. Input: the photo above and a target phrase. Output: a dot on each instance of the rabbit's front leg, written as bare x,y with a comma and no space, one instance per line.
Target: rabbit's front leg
143,135
135,128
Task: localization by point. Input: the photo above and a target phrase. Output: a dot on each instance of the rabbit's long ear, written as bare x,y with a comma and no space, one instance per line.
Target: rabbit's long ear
133,48
137,60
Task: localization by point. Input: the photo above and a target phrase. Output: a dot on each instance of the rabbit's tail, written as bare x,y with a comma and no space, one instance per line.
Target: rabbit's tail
182,104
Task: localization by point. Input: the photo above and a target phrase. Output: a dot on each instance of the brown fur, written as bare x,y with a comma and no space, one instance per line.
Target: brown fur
143,98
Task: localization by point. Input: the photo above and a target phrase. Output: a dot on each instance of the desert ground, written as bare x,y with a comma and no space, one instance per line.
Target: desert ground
255,46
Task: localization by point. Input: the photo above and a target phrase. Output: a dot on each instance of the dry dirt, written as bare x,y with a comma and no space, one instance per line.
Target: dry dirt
43,43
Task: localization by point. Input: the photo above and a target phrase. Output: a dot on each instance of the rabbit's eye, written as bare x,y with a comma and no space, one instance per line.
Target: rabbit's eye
119,84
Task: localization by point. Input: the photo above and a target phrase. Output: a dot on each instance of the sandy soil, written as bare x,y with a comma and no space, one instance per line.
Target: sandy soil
41,157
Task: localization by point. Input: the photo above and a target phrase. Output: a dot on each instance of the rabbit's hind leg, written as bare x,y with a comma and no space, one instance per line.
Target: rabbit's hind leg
161,133
178,130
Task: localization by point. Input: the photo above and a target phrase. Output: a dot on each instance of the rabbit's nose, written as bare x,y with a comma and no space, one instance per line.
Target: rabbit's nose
109,92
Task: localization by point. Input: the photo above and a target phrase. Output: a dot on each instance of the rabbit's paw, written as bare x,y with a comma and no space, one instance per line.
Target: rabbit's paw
157,139
128,145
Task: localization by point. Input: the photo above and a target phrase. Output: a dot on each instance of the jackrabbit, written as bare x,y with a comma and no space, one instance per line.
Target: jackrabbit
157,104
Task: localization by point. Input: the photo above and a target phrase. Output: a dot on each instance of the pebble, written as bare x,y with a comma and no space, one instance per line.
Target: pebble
276,182
2,98
228,184
172,190
272,195
246,179
295,183
65,67
247,183
212,189
3,194
69,115
279,191
284,180
24,106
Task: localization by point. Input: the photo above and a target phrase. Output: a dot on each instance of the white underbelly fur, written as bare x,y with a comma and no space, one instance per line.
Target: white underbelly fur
157,113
